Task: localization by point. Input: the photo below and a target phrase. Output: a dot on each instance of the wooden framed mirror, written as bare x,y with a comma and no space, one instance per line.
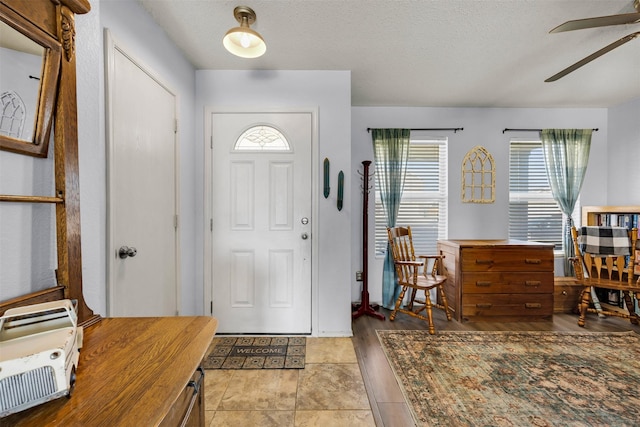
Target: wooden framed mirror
50,24
27,94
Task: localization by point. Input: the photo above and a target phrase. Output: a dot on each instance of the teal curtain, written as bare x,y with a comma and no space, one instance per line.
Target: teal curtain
391,152
566,154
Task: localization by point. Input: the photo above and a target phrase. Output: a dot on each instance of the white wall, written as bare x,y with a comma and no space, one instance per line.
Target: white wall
330,93
623,184
91,156
134,29
482,126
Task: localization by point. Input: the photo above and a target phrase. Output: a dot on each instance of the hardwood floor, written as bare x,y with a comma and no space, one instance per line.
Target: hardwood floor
386,399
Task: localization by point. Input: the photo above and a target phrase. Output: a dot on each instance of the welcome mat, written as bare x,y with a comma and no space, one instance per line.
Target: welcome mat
256,353
458,378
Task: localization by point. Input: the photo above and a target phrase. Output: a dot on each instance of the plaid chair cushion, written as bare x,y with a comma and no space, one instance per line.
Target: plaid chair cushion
604,240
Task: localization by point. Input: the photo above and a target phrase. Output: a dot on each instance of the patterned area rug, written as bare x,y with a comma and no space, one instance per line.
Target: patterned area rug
517,378
256,353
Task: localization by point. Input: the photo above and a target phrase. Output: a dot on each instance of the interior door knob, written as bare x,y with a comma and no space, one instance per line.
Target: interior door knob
126,251
304,236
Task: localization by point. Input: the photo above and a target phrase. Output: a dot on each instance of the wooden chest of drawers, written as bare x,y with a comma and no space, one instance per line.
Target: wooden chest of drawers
566,295
498,280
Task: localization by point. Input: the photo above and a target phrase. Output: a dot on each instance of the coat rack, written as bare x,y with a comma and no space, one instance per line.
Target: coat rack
364,307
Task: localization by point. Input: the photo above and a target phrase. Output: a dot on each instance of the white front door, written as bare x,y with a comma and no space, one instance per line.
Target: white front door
261,222
142,220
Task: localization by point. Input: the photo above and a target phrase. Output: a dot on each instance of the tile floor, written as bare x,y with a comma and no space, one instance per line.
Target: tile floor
328,392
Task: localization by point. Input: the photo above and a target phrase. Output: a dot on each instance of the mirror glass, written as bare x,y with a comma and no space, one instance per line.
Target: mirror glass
29,69
20,74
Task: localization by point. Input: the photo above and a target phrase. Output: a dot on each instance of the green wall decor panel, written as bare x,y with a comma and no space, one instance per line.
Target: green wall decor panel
340,189
327,189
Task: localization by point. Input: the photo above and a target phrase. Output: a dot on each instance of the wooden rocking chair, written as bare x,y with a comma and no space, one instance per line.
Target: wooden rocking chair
605,258
415,275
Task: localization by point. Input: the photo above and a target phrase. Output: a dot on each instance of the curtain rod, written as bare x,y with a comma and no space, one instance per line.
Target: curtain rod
453,129
531,130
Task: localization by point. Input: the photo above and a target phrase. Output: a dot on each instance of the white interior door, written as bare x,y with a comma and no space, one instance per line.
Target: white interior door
261,222
142,223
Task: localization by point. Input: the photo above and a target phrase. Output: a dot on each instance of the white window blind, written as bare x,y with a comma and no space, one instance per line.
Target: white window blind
424,199
533,213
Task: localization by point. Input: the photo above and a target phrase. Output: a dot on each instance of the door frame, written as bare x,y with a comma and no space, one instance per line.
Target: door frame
208,201
110,46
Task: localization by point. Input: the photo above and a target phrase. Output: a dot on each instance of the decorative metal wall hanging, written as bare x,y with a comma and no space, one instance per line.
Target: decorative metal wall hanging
340,189
478,176
327,189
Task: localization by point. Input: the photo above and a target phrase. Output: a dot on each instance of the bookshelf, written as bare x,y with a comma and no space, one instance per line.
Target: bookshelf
622,216
617,216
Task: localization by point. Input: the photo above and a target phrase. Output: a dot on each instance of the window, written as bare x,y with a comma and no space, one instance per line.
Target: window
533,213
262,138
12,114
424,199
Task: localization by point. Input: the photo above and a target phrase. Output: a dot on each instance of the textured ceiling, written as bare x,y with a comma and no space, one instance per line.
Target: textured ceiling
442,53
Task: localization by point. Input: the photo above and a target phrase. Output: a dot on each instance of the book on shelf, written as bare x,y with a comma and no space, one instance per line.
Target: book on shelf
627,220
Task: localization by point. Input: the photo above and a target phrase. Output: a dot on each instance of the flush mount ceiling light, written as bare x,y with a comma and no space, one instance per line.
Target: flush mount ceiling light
242,41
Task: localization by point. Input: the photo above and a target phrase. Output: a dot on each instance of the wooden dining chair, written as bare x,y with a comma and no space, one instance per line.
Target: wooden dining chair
421,274
605,258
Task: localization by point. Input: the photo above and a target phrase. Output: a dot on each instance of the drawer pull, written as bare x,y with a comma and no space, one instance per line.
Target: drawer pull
532,305
533,261
484,261
484,305
196,389
532,283
483,283
196,385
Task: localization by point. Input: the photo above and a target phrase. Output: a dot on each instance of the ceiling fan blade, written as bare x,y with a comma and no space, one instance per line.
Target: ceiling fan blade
593,56
602,21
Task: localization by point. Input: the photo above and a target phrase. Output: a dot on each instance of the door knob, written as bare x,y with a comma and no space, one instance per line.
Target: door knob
126,251
304,236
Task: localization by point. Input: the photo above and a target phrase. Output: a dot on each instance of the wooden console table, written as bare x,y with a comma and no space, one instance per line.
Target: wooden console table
498,280
133,372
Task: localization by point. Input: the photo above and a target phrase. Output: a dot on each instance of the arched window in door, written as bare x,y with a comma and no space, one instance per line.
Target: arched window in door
262,138
12,115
